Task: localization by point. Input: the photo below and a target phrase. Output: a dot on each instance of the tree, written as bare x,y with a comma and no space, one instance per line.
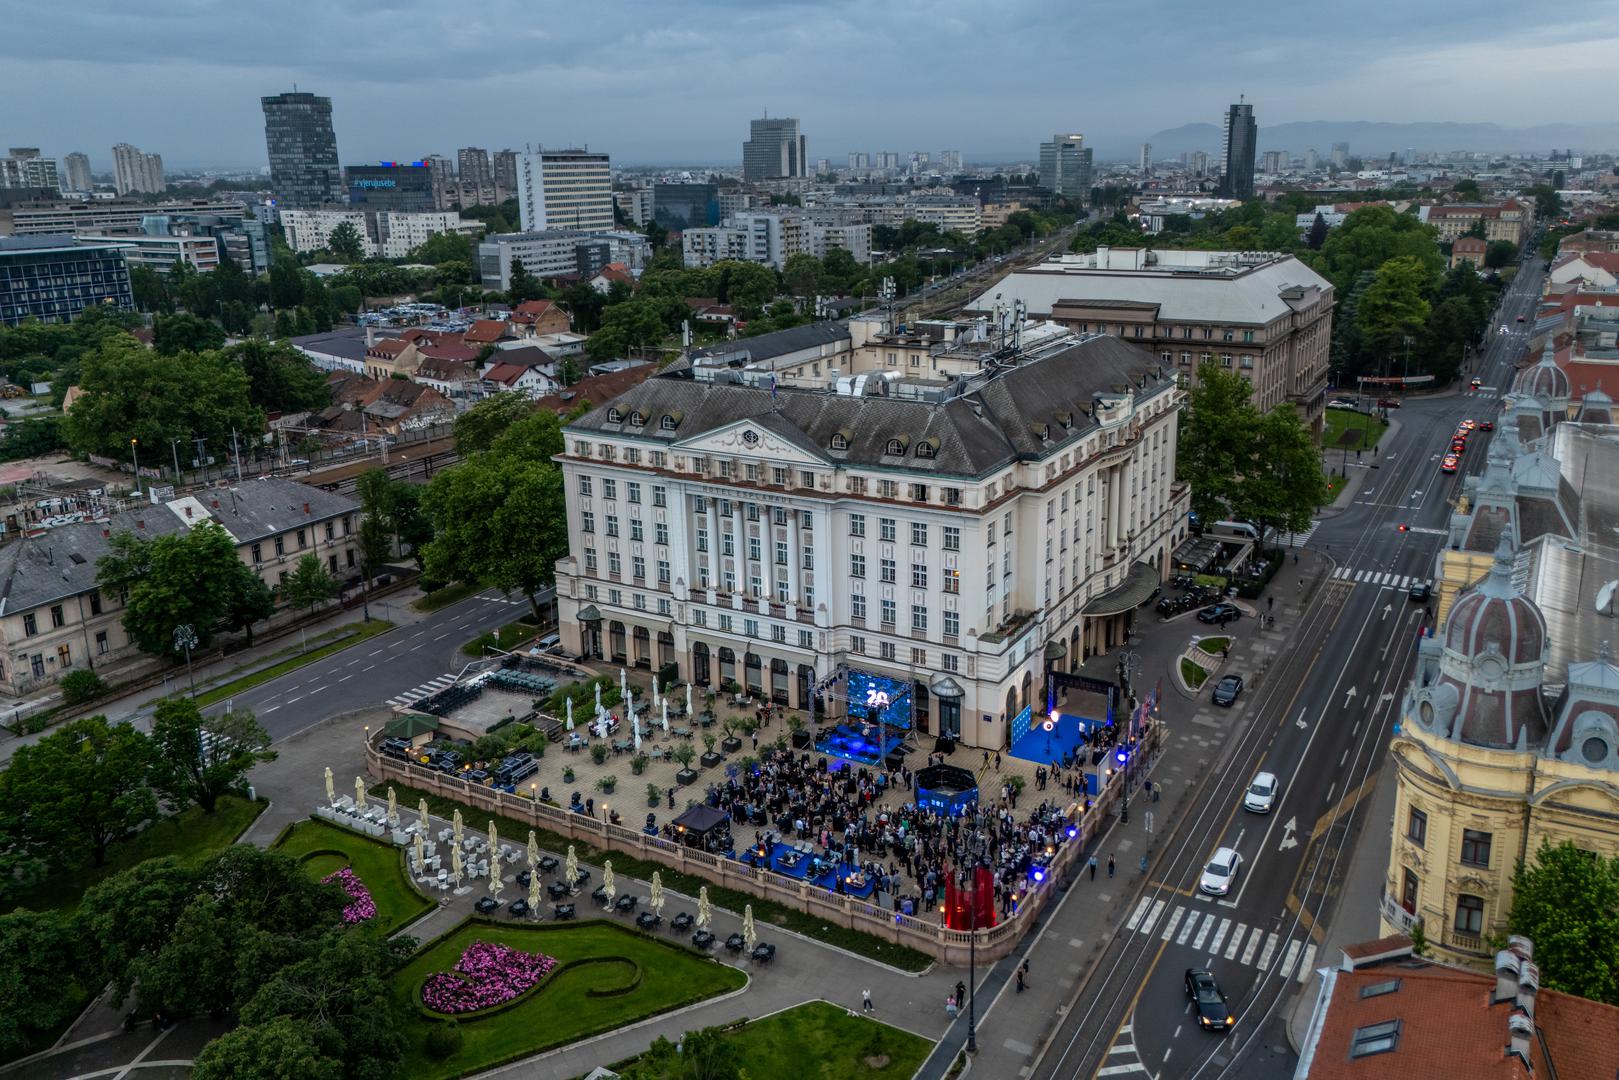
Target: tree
79,789
150,291
747,286
346,242
283,1049
31,437
1281,483
180,579
632,325
1567,903
1394,308
1215,439
286,284
198,758
1499,254
524,285
1318,233
185,333
309,585
802,274
477,429
1368,238
130,392
445,247
376,546
1467,190
279,377
38,992
248,600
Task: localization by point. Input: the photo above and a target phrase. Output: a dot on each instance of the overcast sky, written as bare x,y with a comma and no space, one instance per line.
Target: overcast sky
677,80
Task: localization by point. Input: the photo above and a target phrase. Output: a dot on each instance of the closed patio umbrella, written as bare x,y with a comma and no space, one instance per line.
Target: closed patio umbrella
359,793
704,912
331,791
655,896
570,868
533,850
749,935
609,887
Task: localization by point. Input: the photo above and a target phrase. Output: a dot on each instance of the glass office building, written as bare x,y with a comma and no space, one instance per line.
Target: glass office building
54,277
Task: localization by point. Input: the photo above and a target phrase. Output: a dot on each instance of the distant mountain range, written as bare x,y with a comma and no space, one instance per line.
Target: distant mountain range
1369,139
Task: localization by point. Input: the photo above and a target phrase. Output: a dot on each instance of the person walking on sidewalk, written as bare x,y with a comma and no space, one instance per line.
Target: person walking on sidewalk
1020,980
961,993
865,1002
1093,867
1023,968
1110,866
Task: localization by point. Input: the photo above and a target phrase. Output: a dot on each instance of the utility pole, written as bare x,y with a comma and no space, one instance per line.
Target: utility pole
238,454
174,448
135,460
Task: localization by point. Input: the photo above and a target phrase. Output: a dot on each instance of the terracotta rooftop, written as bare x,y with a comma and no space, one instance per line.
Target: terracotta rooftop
596,389
1381,947
486,331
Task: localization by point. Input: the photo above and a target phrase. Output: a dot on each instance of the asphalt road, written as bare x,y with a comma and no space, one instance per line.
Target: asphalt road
1320,720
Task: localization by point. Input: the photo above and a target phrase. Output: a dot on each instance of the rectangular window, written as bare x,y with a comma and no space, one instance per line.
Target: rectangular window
702,538
886,650
727,468
1469,914
889,612
615,566
857,524
952,538
609,489
750,627
919,493
590,560
30,626
587,521
1416,829
750,472
952,581
781,553
727,544
857,566
1408,891
101,643
728,579
779,515
660,533
919,534
635,529
753,511
257,553
1375,1039
919,657
64,655
857,485
753,548
778,634
778,476
1475,847
584,485
857,644
952,623
612,524
280,545
889,571
806,639
95,603
857,606
808,557
806,479
58,617
950,662
303,540
329,532
756,584
919,617
952,496
632,492
660,496
919,576
725,623
887,529
331,561
664,606
781,591
638,567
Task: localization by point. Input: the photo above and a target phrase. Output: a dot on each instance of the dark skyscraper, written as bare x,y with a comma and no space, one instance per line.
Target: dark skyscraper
304,172
1241,139
775,148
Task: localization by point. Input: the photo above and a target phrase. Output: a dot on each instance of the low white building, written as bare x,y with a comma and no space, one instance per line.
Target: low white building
311,230
392,234
958,537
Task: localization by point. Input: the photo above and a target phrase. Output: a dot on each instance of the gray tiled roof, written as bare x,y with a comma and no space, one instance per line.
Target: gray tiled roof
62,562
978,432
781,342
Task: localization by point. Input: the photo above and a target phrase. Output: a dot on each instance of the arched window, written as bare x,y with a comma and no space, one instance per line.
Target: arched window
637,420
839,442
615,416
896,446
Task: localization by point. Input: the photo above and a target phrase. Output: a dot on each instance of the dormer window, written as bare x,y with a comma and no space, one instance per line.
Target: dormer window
896,446
667,423
927,448
839,442
615,416
637,420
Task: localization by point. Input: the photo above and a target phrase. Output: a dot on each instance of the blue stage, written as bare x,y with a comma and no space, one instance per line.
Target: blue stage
859,743
1046,746
794,864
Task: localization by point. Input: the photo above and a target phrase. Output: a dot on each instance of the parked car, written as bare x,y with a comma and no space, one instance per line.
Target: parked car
1208,1001
549,643
1227,689
1520,318
1486,425
1261,793
1468,424
1475,383
1219,613
1221,872
1388,403
1341,403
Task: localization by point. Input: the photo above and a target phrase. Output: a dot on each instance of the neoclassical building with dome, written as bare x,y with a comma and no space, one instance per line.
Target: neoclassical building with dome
1509,733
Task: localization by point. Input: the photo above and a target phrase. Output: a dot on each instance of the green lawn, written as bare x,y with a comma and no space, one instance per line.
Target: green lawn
788,918
820,1041
381,866
1193,674
360,632
1363,430
561,1009
507,637
190,835
444,597
1213,644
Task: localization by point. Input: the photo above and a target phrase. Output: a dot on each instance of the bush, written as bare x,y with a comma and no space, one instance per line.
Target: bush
598,753
567,775
638,764
444,1040
606,784
81,686
653,794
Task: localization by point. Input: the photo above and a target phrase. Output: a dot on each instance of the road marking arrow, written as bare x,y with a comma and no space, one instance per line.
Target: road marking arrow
1386,609
1287,834
1348,697
1300,721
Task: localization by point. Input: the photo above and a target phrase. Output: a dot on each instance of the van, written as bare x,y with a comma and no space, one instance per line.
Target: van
1239,529
548,643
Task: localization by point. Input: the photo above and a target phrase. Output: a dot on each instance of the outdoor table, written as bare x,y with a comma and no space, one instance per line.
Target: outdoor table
625,903
705,721
764,952
556,890
622,746
486,904
703,939
647,920
548,863
518,907
600,895
735,942
523,878
682,922
584,876
564,911
683,732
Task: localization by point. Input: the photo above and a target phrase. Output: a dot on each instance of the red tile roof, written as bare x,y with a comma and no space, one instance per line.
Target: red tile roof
449,349
486,332
596,389
615,272
388,347
504,373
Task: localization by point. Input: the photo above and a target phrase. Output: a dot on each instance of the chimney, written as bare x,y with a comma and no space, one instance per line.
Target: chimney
188,513
1528,987
1506,977
306,508
140,524
370,335
1520,1031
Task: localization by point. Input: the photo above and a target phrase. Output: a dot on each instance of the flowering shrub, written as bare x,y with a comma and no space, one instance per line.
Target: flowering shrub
360,907
486,975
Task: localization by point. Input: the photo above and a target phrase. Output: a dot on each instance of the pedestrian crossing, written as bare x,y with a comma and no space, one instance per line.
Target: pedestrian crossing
1380,578
1295,539
426,689
1217,935
1122,1058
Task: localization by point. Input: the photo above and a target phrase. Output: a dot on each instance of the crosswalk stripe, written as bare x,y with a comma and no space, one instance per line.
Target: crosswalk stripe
1219,935
1266,953
1188,926
1140,913
1236,941
1382,579
1253,946
1290,958
1124,1048
1360,576
1405,582
1115,1070
1203,933
1304,964
1152,916
1174,921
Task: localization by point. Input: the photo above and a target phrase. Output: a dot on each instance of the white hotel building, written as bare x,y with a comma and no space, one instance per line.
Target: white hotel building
964,532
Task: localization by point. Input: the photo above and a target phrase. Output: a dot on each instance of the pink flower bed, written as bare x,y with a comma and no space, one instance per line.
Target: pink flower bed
360,907
485,976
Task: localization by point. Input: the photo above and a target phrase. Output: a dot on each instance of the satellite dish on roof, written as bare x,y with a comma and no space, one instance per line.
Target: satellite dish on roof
1605,598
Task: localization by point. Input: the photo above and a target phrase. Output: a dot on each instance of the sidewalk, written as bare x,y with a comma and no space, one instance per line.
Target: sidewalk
1071,936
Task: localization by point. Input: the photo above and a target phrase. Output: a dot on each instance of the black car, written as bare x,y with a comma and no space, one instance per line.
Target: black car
1227,689
1219,613
1213,1014
1420,593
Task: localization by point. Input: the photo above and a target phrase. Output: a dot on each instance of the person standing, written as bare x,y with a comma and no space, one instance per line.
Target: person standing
1110,866
1093,867
865,1002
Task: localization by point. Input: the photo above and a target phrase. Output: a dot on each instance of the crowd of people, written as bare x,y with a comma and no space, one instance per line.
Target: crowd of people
908,850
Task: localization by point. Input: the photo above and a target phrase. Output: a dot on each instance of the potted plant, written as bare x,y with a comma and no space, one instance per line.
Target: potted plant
654,794
598,752
732,743
638,764
567,774
801,738
606,784
710,759
684,753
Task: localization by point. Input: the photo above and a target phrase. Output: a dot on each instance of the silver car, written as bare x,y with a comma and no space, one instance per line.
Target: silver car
1261,793
1221,872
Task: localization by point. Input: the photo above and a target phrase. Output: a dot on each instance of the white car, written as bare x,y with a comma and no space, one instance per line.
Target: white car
1340,403
1221,873
1261,793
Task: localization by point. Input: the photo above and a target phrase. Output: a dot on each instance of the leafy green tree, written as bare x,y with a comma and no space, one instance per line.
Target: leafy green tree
1548,204
747,286
1394,307
185,333
1467,190
802,274
130,392
31,437
524,285
376,546
179,579
445,247
1567,902
283,1049
346,298
38,993
279,377
346,242
79,789
1499,254
286,284
1216,438
625,327
129,916
585,304
198,758
1281,483
151,292
477,429
309,585
248,600
1370,237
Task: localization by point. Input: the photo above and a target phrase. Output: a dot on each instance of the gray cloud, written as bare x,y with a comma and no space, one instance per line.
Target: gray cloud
677,81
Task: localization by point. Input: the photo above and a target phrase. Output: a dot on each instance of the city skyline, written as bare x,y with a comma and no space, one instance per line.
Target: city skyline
1406,63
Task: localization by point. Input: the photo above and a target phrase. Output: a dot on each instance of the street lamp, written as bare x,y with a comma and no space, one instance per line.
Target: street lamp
185,637
135,461
972,950
1123,758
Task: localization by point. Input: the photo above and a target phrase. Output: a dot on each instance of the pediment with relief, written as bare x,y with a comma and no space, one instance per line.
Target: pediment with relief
750,439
